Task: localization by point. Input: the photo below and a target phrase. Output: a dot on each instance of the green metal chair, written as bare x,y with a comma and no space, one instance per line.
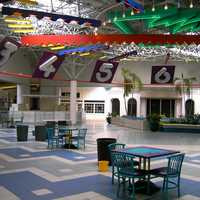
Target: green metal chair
171,173
126,171
53,141
80,138
117,146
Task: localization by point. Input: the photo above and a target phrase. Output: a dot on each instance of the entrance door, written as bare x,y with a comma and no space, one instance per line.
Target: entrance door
35,103
115,106
132,107
189,107
164,107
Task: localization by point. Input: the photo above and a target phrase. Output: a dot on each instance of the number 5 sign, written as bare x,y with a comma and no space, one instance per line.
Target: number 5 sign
104,71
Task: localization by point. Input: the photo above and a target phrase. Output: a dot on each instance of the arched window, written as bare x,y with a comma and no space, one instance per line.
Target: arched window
132,107
115,106
189,107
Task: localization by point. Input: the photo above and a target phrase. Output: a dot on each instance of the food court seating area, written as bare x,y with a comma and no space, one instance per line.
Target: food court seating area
74,174
58,134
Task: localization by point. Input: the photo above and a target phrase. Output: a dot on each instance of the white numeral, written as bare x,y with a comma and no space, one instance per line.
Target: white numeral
105,68
162,72
5,53
48,67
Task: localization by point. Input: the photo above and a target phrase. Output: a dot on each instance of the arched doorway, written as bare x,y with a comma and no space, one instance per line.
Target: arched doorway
132,107
115,106
189,107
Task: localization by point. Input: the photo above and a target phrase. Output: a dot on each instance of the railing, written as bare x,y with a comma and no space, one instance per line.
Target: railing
35,117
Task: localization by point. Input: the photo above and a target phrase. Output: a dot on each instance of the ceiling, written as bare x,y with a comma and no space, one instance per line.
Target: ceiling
100,9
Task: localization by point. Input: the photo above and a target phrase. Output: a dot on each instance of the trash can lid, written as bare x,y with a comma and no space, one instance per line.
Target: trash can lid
103,139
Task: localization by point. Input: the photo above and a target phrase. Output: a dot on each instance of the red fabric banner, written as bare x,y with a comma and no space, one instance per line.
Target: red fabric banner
77,40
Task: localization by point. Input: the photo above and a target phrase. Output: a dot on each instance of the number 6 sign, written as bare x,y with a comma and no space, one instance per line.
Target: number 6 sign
162,74
104,71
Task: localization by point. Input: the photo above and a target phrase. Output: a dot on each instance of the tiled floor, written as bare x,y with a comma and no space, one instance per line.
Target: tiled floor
28,170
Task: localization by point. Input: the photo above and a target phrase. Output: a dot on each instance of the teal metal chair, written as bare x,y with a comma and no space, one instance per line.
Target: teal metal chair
126,171
53,141
80,138
171,173
117,146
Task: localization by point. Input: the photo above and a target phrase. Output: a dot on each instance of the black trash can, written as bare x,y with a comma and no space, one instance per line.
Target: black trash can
22,132
103,150
40,133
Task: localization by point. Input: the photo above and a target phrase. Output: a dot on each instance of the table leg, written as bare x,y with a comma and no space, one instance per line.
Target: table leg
148,176
140,163
70,135
144,164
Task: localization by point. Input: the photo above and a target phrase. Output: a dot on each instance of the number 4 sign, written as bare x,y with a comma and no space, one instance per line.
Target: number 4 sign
48,65
104,71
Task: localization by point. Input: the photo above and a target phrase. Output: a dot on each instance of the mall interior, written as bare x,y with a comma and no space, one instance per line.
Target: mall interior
99,99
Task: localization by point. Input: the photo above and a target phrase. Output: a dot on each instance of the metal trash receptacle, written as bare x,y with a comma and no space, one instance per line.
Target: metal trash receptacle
103,150
22,132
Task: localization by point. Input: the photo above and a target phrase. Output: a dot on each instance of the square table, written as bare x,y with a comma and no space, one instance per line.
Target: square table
146,153
67,135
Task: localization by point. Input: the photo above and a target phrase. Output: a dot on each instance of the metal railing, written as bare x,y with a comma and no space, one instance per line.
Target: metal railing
35,117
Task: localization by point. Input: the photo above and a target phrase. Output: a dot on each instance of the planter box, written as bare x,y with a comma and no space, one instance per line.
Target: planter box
180,128
140,124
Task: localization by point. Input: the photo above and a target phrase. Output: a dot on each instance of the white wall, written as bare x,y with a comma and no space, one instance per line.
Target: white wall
24,61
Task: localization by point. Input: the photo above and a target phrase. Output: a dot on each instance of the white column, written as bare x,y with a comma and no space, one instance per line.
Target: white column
58,93
22,90
138,105
19,94
183,100
143,107
73,106
178,107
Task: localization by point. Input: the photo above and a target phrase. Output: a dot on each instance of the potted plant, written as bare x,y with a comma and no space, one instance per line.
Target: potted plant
154,122
109,118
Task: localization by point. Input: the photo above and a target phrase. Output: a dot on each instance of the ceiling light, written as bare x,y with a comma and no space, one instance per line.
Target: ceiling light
153,7
191,5
166,7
